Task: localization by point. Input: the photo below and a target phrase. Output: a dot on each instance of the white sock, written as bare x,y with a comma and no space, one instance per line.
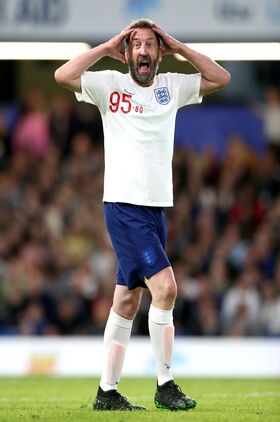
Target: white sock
116,338
162,337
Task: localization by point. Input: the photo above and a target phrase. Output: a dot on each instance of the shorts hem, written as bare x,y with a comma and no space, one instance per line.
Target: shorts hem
157,270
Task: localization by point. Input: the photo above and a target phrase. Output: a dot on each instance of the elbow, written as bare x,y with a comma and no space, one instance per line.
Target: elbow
59,77
63,78
225,79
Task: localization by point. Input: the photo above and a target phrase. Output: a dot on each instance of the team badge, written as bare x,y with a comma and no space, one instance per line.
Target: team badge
162,95
149,256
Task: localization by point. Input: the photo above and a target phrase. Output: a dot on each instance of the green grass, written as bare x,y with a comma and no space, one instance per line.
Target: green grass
69,399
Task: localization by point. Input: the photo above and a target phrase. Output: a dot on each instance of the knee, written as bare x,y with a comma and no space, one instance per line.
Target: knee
165,295
127,307
168,291
163,289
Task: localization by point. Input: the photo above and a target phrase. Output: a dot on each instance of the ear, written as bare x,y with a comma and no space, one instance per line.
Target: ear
161,53
126,55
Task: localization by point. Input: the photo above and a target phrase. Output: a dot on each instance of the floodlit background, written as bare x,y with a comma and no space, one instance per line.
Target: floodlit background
57,268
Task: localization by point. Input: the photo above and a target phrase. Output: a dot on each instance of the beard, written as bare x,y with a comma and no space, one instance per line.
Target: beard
135,69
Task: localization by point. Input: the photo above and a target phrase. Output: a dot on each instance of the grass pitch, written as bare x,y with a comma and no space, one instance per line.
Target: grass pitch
70,399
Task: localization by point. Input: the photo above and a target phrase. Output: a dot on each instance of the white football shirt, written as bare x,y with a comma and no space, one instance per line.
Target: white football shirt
139,125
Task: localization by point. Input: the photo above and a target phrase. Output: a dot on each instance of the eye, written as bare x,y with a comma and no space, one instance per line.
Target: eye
137,45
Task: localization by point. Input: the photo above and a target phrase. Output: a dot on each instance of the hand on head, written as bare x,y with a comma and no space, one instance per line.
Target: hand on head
170,44
114,44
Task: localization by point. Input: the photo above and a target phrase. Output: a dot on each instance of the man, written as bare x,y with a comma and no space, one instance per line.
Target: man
138,110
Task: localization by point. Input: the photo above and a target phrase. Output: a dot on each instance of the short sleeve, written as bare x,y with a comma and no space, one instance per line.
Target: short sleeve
188,88
94,87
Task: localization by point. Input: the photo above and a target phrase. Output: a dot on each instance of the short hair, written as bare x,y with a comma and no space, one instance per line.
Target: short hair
144,23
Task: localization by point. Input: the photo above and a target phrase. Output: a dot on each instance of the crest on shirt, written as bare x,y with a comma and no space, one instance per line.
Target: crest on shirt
149,256
162,95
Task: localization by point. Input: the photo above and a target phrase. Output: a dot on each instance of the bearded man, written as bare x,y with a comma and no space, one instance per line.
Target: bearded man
138,110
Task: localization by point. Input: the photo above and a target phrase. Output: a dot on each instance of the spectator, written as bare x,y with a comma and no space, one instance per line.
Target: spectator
31,133
271,115
269,318
241,306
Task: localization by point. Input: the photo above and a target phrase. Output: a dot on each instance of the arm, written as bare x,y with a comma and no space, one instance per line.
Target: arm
69,74
213,76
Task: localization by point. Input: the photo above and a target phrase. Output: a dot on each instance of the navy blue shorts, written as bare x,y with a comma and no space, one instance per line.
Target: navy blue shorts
138,234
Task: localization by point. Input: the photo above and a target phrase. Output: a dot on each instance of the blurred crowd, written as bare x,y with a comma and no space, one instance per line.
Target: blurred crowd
57,267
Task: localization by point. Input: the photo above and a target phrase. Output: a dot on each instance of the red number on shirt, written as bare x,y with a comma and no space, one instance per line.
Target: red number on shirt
115,98
125,100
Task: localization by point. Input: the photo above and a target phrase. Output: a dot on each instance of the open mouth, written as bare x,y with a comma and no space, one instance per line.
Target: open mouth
144,66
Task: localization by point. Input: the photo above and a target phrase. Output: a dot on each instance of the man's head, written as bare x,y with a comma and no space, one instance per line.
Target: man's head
143,52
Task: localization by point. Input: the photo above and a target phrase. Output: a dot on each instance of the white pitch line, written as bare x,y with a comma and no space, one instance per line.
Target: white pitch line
251,394
28,399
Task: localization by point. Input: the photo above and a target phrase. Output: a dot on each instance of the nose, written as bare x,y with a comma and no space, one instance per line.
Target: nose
143,50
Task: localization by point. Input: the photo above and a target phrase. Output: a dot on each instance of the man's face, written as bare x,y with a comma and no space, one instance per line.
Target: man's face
143,55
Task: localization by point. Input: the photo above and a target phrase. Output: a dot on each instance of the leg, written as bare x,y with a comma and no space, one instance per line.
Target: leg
117,334
116,337
126,302
164,290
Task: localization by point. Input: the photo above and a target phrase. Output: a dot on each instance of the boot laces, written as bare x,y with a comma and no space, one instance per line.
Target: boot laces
176,392
118,397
